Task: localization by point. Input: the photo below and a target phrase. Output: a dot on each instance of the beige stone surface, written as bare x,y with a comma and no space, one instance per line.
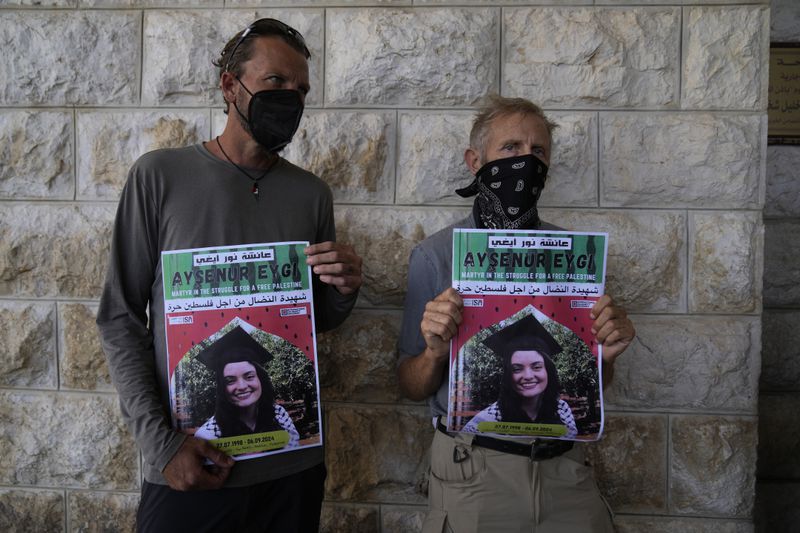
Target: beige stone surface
27,345
102,511
384,239
36,151
110,141
30,264
138,4
354,152
778,437
725,51
180,46
410,58
783,187
65,440
647,276
712,471
402,519
592,57
397,439
689,362
780,358
82,362
349,518
37,71
22,510
357,360
725,257
669,524
781,268
630,463
680,159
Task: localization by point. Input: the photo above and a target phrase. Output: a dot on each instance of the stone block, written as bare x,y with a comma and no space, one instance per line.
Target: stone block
646,254
630,463
180,46
783,187
110,141
61,440
139,4
778,436
357,360
671,524
689,362
27,337
725,57
431,161
384,239
402,519
784,21
37,155
82,362
31,510
776,506
680,160
780,356
397,439
100,66
725,258
102,511
32,265
781,268
713,465
349,518
40,3
590,57
420,58
352,152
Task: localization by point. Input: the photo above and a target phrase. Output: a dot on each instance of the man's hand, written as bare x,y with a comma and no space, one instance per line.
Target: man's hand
440,321
612,328
187,471
336,264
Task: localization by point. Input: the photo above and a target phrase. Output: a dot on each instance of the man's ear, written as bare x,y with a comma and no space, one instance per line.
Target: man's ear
228,83
473,160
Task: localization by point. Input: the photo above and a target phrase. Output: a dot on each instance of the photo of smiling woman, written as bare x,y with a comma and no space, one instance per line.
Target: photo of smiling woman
529,390
245,398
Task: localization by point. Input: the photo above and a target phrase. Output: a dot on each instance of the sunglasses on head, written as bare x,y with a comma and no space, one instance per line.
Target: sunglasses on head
269,26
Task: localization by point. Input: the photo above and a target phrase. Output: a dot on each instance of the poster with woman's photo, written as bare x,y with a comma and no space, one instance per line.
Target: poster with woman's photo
242,355
524,362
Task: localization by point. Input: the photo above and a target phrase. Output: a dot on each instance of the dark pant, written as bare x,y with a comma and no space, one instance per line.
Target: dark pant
286,505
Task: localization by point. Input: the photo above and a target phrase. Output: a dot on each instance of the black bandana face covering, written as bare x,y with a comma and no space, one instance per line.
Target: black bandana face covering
273,116
508,190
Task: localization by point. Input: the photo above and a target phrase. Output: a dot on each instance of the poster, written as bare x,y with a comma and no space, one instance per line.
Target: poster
783,109
242,355
524,362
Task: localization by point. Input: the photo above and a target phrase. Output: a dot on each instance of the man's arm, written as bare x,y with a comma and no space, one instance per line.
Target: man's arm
128,342
420,376
613,330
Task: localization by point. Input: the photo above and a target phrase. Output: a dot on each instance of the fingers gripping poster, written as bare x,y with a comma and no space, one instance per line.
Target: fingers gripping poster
242,355
524,361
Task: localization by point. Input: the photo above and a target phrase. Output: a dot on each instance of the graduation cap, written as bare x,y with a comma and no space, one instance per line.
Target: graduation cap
524,334
236,345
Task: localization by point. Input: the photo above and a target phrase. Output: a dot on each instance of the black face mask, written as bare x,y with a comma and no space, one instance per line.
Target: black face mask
508,190
273,116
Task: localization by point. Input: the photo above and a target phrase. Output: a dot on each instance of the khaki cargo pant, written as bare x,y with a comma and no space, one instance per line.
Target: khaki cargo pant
496,492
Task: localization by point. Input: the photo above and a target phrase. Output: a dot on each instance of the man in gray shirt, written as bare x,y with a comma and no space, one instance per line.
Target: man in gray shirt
234,190
479,483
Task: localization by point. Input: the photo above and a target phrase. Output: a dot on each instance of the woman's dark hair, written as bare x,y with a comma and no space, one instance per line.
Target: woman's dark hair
227,414
509,401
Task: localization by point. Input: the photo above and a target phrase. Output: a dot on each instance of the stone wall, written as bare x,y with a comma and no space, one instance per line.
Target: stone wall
662,143
778,488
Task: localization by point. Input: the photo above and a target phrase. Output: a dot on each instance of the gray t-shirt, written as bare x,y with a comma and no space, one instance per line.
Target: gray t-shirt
187,198
430,273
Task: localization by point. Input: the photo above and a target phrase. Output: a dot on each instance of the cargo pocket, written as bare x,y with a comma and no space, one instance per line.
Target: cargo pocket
453,462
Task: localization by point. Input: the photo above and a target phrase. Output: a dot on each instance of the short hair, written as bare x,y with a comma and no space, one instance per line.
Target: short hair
495,106
240,48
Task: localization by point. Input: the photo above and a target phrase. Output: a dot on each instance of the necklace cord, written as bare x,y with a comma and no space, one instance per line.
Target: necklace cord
243,171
